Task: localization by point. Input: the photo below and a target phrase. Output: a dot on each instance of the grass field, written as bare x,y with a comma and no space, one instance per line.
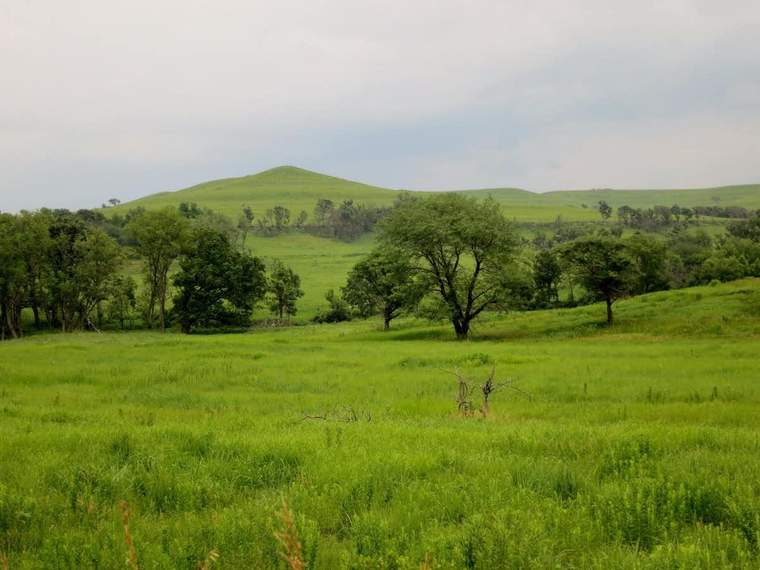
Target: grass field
639,447
299,189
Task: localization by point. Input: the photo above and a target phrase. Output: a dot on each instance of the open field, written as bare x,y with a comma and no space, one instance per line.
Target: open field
640,446
299,189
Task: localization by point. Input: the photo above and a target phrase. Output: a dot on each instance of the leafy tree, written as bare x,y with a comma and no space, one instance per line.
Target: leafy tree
547,274
281,217
386,281
99,261
190,210
603,267
122,305
283,289
460,244
12,278
301,219
217,285
649,256
337,311
245,223
605,210
323,210
35,247
749,229
160,236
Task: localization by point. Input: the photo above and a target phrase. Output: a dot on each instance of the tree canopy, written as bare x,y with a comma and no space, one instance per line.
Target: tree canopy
461,244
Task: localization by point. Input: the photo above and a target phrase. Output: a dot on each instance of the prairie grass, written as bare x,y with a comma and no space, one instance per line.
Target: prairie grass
640,446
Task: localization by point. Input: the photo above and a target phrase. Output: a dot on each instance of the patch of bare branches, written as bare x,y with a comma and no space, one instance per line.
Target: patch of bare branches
465,388
345,414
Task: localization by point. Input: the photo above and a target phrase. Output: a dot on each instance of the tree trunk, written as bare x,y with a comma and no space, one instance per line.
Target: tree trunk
387,318
609,311
462,328
162,310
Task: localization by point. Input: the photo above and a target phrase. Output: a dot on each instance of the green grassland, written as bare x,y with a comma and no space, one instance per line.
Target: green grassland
324,263
299,189
638,448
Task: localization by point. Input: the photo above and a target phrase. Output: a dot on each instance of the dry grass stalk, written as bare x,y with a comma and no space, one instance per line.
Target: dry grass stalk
132,560
290,544
4,562
211,558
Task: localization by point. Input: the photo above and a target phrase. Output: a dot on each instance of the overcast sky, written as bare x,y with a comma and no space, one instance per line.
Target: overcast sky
104,98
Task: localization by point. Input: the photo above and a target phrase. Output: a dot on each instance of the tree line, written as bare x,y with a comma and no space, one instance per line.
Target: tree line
456,257
659,217
69,274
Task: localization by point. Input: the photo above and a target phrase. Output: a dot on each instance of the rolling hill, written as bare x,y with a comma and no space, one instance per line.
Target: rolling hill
324,263
299,189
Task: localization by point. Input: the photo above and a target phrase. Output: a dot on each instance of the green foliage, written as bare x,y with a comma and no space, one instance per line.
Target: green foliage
217,285
283,290
204,436
603,267
338,310
460,244
160,238
384,282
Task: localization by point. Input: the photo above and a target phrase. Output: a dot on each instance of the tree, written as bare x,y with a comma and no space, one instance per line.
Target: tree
12,278
281,217
283,289
323,210
337,311
123,300
386,281
603,267
460,244
301,219
217,285
160,236
605,210
547,274
114,202
245,223
649,256
99,261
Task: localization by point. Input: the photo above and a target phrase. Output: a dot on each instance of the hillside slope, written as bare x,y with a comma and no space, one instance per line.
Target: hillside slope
299,189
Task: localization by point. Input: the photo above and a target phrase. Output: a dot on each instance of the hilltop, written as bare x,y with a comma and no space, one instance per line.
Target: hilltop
299,189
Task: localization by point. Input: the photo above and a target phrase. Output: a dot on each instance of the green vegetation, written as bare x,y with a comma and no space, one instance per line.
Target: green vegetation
636,448
299,190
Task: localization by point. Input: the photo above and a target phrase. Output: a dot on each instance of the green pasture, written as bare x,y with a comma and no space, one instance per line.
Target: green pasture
631,447
299,189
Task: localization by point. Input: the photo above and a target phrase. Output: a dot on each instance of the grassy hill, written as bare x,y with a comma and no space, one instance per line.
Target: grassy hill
323,263
299,189
637,449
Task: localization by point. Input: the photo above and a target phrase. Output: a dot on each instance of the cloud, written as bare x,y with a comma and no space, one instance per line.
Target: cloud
105,99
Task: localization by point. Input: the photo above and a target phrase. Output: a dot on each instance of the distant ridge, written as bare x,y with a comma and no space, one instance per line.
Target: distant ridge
299,189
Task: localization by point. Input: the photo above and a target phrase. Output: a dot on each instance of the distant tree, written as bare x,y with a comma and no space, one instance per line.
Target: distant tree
217,284
114,201
547,275
190,210
160,236
337,311
323,210
386,282
605,210
301,219
283,290
749,229
122,304
281,217
12,278
245,223
649,256
462,245
603,267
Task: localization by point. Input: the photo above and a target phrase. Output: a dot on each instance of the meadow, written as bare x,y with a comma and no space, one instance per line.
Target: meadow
299,189
631,447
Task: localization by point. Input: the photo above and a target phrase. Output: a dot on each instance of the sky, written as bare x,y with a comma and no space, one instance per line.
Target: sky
106,99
